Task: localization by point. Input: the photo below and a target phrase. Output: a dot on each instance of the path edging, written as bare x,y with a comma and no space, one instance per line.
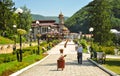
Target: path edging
104,69
28,67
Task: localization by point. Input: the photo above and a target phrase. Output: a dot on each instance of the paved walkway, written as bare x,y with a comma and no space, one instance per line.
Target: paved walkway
48,67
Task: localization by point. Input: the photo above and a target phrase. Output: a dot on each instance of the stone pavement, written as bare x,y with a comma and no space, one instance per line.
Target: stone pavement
48,66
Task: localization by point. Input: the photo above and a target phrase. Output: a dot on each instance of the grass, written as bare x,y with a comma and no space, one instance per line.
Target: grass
5,40
113,65
10,67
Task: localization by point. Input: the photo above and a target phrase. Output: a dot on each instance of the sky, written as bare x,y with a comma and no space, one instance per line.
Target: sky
52,7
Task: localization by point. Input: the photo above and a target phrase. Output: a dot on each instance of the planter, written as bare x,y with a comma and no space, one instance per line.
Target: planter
60,64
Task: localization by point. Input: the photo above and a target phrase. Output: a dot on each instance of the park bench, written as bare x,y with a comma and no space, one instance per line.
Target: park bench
101,57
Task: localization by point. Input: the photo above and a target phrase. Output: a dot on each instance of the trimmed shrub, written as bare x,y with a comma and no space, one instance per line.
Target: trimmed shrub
106,49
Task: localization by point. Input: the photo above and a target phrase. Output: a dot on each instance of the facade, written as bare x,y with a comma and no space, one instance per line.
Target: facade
44,27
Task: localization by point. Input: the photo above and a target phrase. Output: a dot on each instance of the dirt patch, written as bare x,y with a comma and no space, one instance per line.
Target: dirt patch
7,73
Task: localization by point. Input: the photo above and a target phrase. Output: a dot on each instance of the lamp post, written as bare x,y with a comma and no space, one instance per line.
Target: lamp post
14,26
48,41
30,36
38,37
14,46
91,49
20,11
91,29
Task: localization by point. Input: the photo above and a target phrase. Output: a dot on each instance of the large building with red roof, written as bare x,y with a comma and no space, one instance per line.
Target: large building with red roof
44,27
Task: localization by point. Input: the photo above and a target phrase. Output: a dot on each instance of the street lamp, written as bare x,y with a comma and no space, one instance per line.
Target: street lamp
91,29
14,26
38,37
14,46
20,11
30,36
48,41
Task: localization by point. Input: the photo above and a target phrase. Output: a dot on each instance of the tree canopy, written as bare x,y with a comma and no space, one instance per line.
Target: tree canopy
80,20
8,18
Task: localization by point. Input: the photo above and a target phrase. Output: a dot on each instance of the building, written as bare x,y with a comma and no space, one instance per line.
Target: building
45,27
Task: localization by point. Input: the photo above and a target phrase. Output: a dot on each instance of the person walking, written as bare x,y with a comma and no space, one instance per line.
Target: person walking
79,54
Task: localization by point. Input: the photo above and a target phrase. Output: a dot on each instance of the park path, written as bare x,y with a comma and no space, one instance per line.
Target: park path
48,66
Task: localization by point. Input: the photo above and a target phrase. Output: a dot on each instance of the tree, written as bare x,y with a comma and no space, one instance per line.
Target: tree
26,19
6,15
101,21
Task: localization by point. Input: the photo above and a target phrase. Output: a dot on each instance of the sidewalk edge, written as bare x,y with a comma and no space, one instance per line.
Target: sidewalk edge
28,67
104,69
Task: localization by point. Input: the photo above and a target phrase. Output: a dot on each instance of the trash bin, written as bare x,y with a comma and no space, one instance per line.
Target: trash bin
61,51
116,51
60,64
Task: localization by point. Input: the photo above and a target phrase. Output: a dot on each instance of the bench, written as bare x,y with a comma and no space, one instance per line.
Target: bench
101,57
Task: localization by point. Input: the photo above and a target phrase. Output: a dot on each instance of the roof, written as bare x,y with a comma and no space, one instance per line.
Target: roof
44,23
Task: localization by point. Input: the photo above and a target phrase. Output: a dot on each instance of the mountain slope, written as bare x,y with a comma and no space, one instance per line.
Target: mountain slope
40,17
80,20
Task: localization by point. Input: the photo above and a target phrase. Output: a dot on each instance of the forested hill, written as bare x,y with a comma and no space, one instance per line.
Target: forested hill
40,17
80,21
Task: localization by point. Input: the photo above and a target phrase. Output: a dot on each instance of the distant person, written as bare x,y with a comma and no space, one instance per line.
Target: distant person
79,54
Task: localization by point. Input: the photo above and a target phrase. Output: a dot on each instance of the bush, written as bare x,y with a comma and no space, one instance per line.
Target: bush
106,49
83,43
7,58
5,40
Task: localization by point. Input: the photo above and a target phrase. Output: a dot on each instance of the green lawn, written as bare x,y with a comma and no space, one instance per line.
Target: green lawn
5,40
10,67
113,65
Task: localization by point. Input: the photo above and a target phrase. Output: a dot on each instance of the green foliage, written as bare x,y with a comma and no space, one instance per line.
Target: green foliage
101,48
5,40
26,19
7,58
15,66
81,21
8,18
6,12
8,62
78,22
21,31
82,42
102,21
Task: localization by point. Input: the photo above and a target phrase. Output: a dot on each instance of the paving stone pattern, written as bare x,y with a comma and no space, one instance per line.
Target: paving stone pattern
48,67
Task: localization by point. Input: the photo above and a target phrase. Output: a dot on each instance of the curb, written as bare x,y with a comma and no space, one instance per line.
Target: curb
104,69
28,67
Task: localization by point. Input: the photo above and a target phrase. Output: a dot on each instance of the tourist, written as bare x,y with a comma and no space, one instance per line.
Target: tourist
79,54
